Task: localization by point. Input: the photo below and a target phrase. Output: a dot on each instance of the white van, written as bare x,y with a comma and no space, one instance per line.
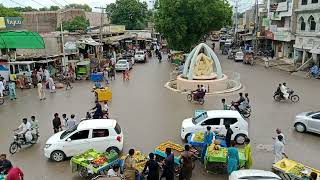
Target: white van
100,134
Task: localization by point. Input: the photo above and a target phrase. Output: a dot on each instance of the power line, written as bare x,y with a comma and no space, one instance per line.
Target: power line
38,3
18,3
66,2
54,1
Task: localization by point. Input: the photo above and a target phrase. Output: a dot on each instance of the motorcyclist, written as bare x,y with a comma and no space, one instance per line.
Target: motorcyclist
98,114
237,103
245,104
284,90
34,126
25,130
196,93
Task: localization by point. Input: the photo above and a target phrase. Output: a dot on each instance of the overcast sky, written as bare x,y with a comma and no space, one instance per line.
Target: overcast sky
243,4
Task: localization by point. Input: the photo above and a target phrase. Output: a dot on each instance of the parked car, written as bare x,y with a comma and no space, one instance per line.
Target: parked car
239,56
121,64
217,119
253,174
100,134
129,57
308,122
140,56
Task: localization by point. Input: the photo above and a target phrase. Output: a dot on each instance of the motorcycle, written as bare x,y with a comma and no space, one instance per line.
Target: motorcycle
244,112
19,140
293,97
192,98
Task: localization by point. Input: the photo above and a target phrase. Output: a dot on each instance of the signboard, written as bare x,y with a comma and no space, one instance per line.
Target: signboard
10,22
282,36
117,28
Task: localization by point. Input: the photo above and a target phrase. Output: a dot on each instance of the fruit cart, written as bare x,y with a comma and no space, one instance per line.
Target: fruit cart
140,161
291,170
103,94
216,159
197,140
83,70
92,162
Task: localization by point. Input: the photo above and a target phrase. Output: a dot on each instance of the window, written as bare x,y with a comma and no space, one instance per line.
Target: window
317,116
312,23
100,133
229,121
117,129
314,1
210,122
302,24
304,2
80,135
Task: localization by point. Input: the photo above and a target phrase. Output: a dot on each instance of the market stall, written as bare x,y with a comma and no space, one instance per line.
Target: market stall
103,94
197,140
92,162
291,170
216,159
140,161
160,151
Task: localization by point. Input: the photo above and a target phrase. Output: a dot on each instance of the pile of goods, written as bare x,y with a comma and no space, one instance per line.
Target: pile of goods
95,159
169,144
216,150
140,160
294,168
199,136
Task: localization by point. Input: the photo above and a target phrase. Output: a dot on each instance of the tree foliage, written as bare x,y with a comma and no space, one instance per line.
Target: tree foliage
77,23
4,11
25,9
184,22
51,8
85,7
131,13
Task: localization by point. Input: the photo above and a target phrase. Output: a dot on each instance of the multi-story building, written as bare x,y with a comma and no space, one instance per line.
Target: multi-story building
49,21
307,44
281,29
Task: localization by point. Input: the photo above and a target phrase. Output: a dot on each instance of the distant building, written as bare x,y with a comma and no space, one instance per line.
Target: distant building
49,21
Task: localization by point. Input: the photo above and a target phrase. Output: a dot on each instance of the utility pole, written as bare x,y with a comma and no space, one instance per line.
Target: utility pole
256,27
100,31
236,22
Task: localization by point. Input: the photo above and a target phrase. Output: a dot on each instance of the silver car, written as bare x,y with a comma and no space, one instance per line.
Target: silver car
308,121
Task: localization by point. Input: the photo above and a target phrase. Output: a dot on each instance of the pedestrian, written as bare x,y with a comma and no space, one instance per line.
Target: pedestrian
278,149
168,166
247,150
272,54
14,173
56,122
232,158
228,135
127,71
34,78
1,88
208,139
12,90
153,168
52,86
46,74
114,171
187,164
71,122
68,82
65,118
279,132
4,164
224,104
106,75
41,92
106,109
313,176
39,78
130,166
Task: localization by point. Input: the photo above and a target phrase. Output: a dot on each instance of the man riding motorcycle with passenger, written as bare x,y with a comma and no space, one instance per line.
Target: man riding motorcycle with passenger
237,103
284,90
246,103
25,130
199,93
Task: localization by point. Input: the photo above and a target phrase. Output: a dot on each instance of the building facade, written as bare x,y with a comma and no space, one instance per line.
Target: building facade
307,41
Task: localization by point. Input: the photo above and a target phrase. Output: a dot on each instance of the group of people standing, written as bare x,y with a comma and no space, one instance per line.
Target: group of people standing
67,122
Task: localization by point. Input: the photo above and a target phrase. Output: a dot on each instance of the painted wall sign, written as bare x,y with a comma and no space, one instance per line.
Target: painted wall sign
10,22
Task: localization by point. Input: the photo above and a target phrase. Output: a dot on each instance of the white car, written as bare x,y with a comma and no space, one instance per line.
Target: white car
121,65
247,174
217,119
238,56
308,121
140,56
100,134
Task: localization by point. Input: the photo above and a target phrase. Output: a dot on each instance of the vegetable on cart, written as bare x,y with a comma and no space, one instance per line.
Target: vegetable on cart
197,140
92,162
216,159
290,169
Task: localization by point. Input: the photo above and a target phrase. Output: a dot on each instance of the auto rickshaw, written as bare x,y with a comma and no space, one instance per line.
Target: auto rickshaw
248,58
103,94
82,70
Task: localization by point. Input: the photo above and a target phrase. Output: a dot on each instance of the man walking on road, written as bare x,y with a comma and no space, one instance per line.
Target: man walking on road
56,122
278,149
228,135
14,173
41,93
279,132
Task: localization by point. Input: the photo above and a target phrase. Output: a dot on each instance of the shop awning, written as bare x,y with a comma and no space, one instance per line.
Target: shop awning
113,39
21,40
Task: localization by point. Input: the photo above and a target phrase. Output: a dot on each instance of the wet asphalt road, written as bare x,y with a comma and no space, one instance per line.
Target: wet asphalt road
150,114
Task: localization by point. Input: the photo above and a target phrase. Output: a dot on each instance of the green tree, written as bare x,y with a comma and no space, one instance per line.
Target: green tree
85,7
24,9
4,11
44,9
77,23
131,13
54,8
184,22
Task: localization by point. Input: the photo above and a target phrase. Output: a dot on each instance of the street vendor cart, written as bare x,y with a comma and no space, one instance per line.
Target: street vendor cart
216,159
140,161
92,162
83,70
103,94
291,170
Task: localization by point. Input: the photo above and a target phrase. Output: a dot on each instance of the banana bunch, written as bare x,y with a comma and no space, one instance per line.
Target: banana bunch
214,150
171,145
199,136
139,157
